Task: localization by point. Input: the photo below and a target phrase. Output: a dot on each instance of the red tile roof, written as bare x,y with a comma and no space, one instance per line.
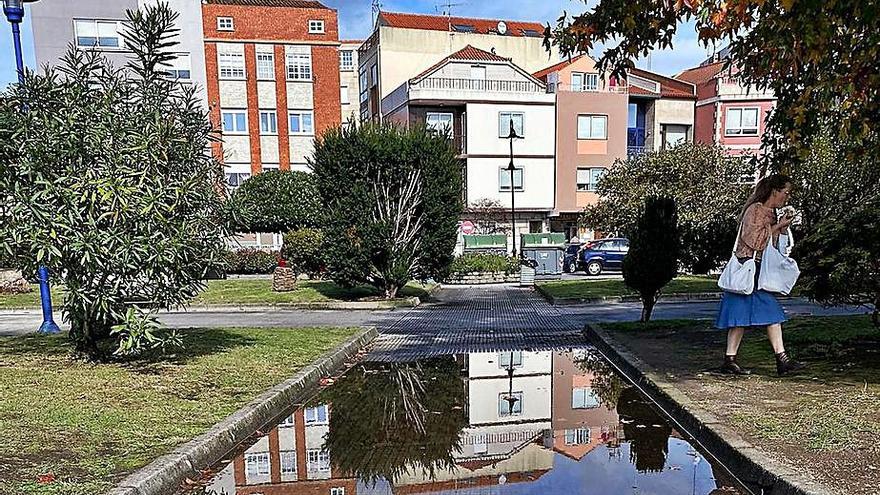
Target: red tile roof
443,23
467,53
350,42
701,74
301,4
543,73
669,87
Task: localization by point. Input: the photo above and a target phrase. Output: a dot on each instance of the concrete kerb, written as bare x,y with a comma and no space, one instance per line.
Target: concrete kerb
409,302
165,474
750,464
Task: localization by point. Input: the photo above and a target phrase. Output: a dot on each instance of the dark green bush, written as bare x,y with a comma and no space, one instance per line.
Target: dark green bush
250,261
303,251
275,201
483,262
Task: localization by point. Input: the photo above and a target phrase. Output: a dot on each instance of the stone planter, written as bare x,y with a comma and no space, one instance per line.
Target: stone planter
283,279
481,278
11,282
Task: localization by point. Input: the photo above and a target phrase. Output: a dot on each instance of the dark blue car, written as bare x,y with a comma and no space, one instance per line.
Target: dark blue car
603,254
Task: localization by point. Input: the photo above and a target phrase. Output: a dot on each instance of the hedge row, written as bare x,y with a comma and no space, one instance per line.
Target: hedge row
484,262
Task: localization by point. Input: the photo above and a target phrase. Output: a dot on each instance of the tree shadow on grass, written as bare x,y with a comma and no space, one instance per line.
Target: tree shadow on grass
331,290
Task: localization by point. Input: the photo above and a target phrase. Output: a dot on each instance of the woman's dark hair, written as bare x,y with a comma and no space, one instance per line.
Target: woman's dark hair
765,187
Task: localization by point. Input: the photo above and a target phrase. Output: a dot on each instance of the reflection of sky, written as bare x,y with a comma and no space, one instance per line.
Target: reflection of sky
599,474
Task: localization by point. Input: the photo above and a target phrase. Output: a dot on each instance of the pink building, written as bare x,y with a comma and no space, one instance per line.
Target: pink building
727,112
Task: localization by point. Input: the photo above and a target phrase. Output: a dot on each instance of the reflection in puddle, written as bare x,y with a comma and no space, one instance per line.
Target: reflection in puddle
517,422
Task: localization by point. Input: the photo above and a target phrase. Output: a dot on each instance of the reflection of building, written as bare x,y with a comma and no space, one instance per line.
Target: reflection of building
580,421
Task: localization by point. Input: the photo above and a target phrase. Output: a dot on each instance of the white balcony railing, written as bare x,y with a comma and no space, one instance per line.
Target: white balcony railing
568,88
483,85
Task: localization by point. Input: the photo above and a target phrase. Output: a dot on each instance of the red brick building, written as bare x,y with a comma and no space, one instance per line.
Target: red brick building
272,81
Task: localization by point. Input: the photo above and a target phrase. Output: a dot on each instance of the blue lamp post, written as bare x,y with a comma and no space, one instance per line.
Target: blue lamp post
14,10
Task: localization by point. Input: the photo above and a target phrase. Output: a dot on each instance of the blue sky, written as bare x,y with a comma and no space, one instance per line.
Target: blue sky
355,20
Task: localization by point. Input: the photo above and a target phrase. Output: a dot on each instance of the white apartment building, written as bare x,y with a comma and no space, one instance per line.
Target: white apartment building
349,87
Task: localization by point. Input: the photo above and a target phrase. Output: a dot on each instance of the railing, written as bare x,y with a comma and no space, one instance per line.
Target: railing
632,151
479,85
560,87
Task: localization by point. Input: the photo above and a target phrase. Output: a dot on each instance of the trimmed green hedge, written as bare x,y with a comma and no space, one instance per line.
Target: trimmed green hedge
250,261
484,262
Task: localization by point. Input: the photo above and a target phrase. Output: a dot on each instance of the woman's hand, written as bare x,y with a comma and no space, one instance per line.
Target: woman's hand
783,224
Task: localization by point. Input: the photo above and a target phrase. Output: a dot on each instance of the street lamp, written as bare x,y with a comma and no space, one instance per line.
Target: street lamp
510,168
510,399
14,10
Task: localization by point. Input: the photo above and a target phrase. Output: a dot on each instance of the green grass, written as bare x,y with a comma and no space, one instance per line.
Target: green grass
589,288
247,291
89,424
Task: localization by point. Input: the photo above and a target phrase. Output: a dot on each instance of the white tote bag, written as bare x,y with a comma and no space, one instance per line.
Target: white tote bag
738,278
779,272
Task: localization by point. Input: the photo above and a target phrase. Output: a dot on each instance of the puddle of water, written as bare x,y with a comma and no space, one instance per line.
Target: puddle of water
522,422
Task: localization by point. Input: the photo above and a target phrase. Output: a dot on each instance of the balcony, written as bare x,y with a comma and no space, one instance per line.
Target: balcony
633,151
481,85
568,88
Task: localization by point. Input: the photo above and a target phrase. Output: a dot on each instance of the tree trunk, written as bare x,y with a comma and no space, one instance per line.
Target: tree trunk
391,290
875,316
648,302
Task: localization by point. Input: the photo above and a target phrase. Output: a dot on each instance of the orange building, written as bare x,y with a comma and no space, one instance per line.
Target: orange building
272,81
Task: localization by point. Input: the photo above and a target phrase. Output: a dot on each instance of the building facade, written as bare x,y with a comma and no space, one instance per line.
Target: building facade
404,45
728,113
661,111
473,95
349,88
273,81
99,24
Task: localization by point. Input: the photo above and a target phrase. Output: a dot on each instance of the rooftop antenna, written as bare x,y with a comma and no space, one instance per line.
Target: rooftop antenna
447,11
376,9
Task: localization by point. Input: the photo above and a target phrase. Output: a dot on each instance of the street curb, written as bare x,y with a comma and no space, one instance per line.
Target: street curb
664,298
409,302
168,472
726,445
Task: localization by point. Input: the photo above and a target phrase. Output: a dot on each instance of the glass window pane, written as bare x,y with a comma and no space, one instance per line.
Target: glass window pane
240,122
596,174
583,127
734,118
295,123
307,123
227,122
583,176
750,117
86,28
577,81
504,179
598,127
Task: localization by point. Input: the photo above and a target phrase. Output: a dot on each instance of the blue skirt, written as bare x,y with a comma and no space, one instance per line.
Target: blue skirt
758,309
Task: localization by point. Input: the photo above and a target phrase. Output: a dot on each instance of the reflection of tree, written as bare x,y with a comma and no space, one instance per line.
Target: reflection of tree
647,432
389,418
606,383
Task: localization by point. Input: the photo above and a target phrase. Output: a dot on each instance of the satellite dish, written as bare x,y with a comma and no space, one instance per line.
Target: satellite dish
502,27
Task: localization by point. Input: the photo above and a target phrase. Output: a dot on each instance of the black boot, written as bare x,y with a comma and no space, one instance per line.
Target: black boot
786,365
730,367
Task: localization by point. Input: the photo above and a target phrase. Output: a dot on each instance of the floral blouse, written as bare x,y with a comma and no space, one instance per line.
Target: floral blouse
757,225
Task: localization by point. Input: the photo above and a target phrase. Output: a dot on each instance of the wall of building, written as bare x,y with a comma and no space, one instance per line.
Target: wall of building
704,123
668,111
348,85
572,153
744,143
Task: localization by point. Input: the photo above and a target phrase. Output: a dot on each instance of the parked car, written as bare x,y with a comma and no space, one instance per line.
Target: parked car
570,257
603,254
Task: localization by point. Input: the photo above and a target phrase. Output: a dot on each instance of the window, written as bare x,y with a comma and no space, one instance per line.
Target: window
266,66
464,28
257,464
343,95
592,126
180,67
337,490
271,166
101,34
346,60
741,122
530,33
504,119
584,82
510,404
299,66
363,84
588,178
673,135
268,122
225,24
287,421
301,123
230,63
374,75
288,462
584,398
316,415
234,121
506,358
234,179
316,26
504,179
318,460
580,436
439,122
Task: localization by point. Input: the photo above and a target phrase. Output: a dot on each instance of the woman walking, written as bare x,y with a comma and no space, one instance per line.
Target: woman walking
760,308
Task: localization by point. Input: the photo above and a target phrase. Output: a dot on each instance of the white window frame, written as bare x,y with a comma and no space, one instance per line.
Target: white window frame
343,96
316,419
337,490
298,66
588,392
592,135
517,355
517,407
97,24
268,122
316,26
180,68
518,172
230,64
265,71
258,461
287,422
578,436
225,23
317,460
433,121
504,123
288,454
590,185
740,130
303,131
235,130
346,64
239,178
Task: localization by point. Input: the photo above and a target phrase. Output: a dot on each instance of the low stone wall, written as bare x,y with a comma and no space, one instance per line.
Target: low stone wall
480,278
11,282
